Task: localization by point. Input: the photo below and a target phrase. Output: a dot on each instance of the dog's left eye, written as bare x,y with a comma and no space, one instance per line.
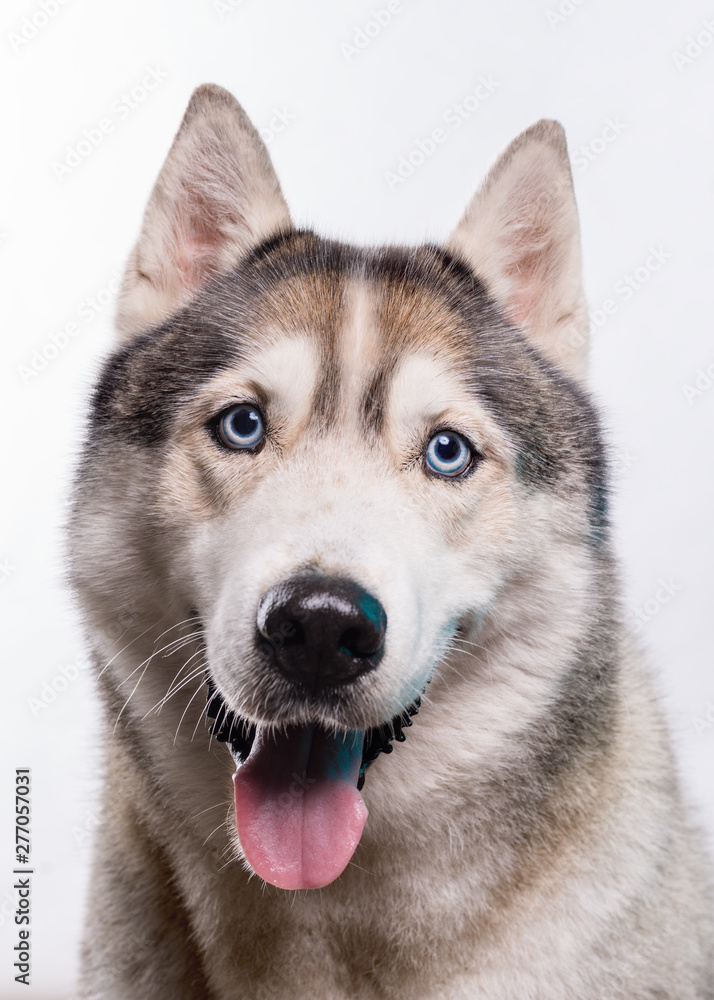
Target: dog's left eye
448,454
240,427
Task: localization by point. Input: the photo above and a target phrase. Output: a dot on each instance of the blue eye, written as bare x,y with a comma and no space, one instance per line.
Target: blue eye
448,454
240,427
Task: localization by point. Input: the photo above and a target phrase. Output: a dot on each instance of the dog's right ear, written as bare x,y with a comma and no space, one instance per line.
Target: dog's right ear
217,196
520,234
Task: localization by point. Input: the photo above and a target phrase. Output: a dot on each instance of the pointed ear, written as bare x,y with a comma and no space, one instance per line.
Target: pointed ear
520,235
216,197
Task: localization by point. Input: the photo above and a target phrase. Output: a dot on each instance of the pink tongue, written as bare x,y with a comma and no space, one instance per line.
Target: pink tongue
299,814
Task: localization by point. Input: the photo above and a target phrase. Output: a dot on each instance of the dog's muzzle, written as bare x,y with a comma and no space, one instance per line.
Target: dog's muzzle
299,812
318,632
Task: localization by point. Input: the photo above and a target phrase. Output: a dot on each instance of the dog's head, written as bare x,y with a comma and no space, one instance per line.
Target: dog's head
354,468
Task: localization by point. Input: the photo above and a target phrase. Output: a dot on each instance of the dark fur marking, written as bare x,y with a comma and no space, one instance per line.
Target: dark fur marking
142,384
272,243
375,398
551,419
327,393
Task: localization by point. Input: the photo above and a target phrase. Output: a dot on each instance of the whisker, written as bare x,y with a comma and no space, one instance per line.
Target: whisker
468,642
468,652
212,832
227,849
236,857
195,618
167,697
177,644
123,649
184,641
203,715
170,690
131,695
201,812
183,716
365,870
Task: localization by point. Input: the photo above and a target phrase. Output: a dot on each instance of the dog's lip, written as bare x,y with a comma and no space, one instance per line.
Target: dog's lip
229,727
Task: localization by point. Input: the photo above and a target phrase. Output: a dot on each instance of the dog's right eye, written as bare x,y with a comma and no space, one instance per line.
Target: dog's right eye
240,427
448,454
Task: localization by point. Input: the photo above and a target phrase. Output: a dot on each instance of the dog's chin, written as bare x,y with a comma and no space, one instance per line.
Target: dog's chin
299,811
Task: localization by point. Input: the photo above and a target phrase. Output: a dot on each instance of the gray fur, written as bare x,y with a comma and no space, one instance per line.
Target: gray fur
529,839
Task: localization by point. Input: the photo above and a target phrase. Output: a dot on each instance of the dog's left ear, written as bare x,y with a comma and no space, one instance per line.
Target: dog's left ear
520,235
216,197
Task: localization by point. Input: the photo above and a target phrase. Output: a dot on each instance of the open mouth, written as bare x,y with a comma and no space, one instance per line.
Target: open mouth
299,811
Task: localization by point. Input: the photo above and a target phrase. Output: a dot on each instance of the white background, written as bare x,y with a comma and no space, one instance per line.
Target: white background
351,118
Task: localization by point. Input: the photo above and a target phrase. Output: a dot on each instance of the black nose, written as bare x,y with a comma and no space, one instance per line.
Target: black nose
321,630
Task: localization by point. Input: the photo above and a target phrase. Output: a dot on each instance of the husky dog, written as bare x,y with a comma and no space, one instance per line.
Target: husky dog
337,502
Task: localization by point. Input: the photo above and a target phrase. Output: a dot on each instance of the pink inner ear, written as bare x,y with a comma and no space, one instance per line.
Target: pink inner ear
530,279
524,305
531,259
204,231
215,197
194,258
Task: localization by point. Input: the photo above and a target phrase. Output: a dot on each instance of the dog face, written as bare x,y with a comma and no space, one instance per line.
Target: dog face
345,463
